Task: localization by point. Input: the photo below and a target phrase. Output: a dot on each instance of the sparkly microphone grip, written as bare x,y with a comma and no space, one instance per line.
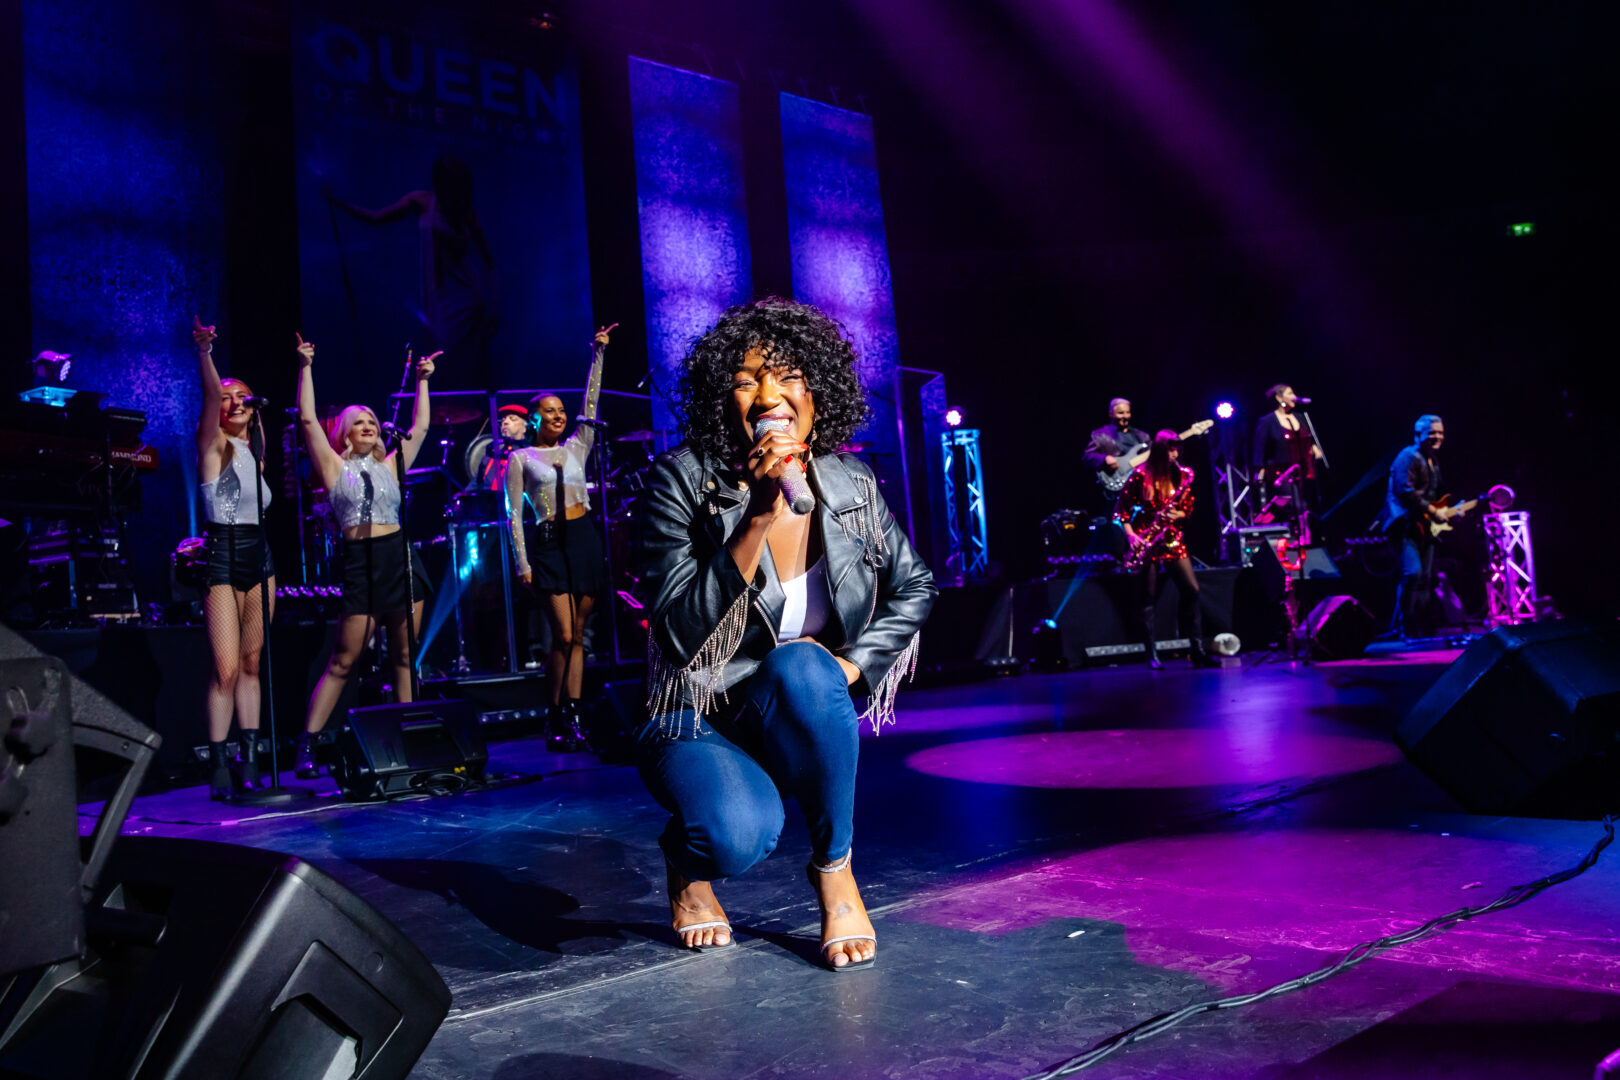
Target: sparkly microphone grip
795,489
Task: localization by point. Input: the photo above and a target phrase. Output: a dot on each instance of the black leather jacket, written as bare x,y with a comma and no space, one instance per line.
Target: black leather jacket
710,628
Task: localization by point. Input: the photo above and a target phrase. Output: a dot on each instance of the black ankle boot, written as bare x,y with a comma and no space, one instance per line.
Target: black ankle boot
1150,640
219,775
1200,655
247,761
564,735
304,766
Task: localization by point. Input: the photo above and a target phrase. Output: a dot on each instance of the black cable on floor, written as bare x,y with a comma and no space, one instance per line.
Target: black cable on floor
1365,951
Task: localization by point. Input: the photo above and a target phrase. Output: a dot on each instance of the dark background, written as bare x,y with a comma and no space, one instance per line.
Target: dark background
1182,208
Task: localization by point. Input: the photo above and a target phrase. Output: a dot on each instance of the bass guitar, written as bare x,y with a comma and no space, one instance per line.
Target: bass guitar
1114,479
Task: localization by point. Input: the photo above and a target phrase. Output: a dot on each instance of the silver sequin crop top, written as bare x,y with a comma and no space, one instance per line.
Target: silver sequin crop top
226,499
366,493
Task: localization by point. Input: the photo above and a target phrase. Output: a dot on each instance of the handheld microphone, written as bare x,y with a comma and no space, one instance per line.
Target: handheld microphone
794,487
644,378
391,432
1301,400
253,401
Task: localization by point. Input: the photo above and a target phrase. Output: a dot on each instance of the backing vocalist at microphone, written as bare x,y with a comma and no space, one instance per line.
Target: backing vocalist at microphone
1281,442
765,622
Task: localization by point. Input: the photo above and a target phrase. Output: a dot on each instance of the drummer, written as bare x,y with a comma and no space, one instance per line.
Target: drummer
516,432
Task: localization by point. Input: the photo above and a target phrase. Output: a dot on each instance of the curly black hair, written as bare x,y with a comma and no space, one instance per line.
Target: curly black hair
792,335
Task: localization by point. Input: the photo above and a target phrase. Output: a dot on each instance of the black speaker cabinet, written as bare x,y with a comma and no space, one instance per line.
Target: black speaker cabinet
41,909
396,749
1527,721
211,961
1340,628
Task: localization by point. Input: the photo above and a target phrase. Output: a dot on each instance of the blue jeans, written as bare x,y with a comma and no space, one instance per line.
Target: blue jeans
791,730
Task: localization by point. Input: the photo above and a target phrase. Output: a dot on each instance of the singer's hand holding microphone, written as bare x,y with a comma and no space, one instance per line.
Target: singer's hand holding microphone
773,458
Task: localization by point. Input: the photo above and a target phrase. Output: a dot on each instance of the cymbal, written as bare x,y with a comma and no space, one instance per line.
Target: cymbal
636,436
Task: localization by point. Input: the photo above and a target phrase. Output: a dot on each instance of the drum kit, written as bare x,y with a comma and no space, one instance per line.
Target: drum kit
481,621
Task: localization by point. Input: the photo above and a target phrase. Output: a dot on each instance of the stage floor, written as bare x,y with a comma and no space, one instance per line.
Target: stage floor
1047,860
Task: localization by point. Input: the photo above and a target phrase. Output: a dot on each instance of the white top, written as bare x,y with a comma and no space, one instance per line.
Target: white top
808,601
539,465
366,493
226,498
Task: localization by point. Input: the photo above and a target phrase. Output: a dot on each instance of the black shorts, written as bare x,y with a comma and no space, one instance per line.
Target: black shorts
374,575
566,557
237,556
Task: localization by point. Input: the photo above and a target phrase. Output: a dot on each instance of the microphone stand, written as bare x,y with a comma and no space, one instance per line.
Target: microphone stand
607,534
404,538
393,435
1314,440
275,794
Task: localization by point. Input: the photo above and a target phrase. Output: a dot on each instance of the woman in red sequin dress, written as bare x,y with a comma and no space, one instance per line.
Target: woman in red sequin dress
1151,508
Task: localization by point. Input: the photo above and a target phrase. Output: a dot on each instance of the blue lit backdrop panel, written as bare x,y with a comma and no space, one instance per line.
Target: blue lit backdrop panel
694,222
126,224
840,260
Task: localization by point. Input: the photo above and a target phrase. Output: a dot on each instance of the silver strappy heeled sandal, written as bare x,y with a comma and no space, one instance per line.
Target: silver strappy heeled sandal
810,870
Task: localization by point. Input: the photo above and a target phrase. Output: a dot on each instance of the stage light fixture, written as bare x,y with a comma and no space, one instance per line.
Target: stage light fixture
1226,645
953,417
1225,410
51,368
1522,228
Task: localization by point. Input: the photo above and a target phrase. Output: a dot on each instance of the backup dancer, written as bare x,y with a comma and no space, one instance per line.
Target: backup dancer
239,564
362,485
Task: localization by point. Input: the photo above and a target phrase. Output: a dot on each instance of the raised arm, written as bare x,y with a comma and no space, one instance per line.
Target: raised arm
421,413
585,434
514,513
326,460
213,392
409,204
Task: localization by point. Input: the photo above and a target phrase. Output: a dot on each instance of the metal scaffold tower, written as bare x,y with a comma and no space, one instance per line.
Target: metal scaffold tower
968,557
1510,580
1234,504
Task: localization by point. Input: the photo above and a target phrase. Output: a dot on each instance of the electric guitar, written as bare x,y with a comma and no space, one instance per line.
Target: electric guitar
1441,513
1114,479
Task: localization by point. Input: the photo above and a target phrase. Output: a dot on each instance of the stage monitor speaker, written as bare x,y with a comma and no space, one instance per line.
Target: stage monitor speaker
1318,564
1340,628
387,750
54,730
212,960
1527,721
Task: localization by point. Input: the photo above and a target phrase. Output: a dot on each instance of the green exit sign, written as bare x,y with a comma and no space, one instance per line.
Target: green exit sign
1522,228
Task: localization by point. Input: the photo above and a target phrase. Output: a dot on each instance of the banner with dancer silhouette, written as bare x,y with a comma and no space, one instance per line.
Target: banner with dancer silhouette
441,197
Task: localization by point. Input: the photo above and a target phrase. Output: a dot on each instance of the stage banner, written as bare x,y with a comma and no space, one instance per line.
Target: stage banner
441,198
840,259
694,220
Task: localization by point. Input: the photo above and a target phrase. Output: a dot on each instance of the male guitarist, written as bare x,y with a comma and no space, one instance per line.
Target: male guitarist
1411,513
1110,453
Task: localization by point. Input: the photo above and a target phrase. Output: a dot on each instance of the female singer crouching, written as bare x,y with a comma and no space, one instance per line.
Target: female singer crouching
363,489
764,621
